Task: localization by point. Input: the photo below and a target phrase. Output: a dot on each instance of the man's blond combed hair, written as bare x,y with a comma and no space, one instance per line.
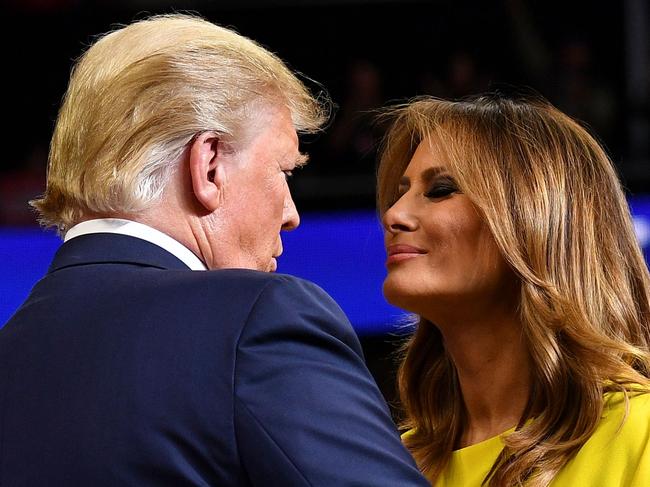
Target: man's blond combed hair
139,95
552,199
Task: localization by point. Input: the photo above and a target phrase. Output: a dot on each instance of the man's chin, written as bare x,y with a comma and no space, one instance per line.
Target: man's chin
273,265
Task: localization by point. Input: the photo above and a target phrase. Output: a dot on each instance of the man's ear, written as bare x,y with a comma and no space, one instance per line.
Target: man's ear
206,160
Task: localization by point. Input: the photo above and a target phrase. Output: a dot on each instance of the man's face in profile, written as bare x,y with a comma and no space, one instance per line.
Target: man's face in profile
257,203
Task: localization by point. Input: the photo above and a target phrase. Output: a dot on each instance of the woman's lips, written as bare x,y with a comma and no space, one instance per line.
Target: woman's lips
402,252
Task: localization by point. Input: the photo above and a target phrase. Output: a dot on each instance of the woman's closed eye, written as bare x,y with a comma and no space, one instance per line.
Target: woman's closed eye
440,189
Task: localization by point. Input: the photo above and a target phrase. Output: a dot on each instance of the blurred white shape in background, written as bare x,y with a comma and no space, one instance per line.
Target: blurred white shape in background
642,229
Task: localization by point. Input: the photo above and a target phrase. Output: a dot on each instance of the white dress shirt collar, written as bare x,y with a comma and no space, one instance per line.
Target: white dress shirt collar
141,231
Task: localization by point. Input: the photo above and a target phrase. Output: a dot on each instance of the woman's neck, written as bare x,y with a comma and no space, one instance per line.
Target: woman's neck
494,370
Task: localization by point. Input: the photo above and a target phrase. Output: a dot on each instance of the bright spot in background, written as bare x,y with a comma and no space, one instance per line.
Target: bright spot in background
642,229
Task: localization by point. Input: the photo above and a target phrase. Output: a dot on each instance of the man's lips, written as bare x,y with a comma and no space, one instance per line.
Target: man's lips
274,257
401,252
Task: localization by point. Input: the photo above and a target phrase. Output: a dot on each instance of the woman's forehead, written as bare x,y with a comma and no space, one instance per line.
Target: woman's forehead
427,157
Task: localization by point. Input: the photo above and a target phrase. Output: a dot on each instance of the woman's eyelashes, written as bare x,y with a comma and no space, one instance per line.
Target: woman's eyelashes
441,188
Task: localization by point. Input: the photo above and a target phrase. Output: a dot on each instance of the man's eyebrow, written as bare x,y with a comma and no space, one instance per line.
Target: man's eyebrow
300,160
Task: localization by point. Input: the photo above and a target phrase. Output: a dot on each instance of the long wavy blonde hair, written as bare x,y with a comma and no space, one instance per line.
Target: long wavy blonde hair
553,202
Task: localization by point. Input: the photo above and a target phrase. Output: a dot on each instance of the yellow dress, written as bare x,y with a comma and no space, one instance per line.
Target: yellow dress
612,457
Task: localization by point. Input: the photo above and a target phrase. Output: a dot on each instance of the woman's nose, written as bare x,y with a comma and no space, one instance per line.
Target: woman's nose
398,218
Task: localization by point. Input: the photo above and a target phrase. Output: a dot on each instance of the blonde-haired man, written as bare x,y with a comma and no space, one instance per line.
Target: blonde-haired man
125,367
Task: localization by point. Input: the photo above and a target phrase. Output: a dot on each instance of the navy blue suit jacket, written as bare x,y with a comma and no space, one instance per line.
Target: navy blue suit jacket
125,368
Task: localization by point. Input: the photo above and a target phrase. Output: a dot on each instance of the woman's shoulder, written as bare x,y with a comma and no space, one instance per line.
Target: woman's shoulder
632,410
625,423
620,446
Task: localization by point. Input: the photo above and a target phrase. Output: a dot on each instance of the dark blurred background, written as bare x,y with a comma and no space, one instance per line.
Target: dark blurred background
589,58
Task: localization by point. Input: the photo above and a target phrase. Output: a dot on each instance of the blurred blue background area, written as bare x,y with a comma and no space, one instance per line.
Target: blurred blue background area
341,251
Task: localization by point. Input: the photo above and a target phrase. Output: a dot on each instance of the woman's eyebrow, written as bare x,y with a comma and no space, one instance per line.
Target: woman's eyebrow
426,176
432,173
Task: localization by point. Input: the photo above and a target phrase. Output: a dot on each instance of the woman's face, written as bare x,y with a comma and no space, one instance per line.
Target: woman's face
441,256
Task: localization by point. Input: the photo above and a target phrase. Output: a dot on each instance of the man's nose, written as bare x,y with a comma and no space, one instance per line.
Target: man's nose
290,216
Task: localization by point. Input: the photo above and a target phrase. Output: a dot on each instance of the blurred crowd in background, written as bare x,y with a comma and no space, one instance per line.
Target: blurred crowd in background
591,59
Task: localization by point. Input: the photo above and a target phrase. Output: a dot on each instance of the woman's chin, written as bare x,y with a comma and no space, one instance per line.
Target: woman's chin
400,295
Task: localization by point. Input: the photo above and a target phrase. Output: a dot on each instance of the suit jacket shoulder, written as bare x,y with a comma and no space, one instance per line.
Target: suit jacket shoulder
307,410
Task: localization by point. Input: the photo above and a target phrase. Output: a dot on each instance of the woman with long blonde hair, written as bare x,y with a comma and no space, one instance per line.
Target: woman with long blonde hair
508,234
